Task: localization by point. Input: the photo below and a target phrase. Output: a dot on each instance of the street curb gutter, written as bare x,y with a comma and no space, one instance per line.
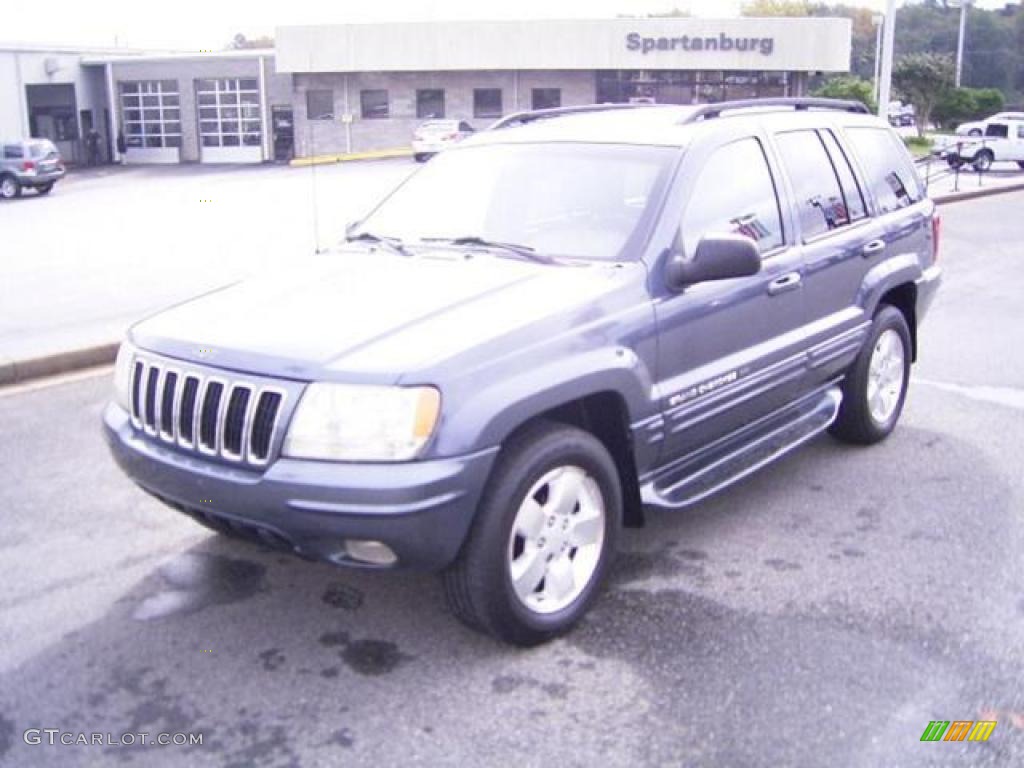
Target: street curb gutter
970,194
20,371
376,154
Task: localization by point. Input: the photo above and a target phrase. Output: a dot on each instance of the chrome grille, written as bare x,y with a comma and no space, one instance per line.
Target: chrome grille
209,413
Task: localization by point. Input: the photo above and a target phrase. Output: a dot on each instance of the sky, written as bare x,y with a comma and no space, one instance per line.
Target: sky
199,24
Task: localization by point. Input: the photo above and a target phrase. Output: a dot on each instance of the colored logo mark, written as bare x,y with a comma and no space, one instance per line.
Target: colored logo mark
958,730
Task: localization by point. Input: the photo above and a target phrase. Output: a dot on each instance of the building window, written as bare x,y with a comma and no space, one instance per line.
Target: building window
320,105
430,103
546,98
487,102
151,113
374,104
229,112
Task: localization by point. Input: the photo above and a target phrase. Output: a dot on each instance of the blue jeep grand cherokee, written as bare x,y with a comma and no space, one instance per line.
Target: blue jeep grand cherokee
577,316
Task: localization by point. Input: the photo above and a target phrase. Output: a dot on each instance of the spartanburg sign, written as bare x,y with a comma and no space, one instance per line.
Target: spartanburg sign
723,42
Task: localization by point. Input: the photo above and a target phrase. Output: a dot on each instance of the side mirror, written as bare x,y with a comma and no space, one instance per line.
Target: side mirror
718,257
351,227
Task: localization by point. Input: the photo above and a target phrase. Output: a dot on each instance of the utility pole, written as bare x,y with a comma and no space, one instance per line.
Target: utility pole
885,78
964,5
878,20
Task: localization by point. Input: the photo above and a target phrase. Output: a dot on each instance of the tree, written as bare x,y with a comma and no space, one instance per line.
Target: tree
955,106
776,8
921,79
988,101
240,42
851,88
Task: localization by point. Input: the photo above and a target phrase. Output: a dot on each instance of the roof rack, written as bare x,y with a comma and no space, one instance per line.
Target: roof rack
799,103
530,116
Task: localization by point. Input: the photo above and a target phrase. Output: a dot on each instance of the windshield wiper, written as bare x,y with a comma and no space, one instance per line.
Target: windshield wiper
482,242
390,242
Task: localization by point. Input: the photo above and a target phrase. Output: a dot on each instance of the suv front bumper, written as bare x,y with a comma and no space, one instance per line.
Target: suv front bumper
422,510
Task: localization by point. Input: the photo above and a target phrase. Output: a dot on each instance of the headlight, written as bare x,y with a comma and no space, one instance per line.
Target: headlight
123,376
362,423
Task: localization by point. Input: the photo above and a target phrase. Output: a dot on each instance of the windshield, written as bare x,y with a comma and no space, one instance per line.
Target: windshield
571,200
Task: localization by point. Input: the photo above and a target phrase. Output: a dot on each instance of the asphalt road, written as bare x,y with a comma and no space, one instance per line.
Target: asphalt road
820,613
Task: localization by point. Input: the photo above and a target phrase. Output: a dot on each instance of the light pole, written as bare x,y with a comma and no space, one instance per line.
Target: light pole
885,75
878,20
964,4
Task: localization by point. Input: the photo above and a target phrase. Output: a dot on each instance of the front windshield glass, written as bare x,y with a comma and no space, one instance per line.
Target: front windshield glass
571,200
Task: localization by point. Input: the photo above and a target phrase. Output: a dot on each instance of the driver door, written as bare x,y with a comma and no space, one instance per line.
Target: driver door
729,350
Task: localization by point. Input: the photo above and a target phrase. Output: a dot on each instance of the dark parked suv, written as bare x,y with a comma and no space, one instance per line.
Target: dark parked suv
558,324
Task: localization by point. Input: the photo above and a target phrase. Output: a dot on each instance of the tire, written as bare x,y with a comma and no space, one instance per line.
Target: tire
876,375
1020,164
974,132
954,161
45,189
983,160
9,188
419,157
562,577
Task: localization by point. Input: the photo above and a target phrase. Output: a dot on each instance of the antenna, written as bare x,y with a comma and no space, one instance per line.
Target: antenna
311,143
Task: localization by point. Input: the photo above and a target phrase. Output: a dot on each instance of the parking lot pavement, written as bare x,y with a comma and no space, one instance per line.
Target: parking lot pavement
109,246
820,613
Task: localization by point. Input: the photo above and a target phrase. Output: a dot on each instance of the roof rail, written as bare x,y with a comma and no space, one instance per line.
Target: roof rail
800,103
529,116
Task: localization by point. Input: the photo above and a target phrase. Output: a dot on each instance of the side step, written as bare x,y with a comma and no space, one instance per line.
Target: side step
732,458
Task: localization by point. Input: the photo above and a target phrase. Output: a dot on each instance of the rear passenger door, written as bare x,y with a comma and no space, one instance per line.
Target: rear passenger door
727,351
839,241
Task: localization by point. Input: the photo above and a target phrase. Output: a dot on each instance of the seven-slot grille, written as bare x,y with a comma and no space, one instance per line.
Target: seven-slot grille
205,412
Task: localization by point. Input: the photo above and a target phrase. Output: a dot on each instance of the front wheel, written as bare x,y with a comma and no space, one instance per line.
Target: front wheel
543,538
875,387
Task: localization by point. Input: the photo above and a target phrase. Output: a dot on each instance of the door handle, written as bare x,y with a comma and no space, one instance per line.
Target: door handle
875,246
787,282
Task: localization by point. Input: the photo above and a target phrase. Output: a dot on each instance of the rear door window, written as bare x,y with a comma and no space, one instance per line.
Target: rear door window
852,195
887,167
735,194
820,204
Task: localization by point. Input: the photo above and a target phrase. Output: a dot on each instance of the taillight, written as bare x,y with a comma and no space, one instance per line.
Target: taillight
936,232
28,165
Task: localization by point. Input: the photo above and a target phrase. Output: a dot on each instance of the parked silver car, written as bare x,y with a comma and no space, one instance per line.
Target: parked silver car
32,163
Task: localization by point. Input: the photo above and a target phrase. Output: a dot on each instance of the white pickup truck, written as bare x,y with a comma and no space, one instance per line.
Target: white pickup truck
1001,141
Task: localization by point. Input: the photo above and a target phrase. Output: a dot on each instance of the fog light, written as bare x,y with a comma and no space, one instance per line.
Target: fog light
373,552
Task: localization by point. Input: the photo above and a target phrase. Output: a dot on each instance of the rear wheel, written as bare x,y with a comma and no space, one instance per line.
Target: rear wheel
543,539
875,387
9,187
983,160
45,189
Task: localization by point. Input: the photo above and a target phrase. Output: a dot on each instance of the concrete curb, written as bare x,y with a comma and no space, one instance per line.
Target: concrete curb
377,154
20,371
970,194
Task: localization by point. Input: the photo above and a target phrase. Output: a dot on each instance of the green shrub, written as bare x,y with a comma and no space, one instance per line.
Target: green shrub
851,88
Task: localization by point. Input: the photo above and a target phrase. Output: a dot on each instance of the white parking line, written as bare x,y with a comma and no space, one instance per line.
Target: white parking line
1011,397
53,381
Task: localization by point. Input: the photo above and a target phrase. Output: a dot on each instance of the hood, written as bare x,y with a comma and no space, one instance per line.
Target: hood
369,316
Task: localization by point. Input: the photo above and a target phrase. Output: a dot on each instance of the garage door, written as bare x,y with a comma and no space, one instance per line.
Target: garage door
230,129
151,115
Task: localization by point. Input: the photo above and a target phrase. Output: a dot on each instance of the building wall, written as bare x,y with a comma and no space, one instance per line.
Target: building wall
20,68
782,44
319,137
186,72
